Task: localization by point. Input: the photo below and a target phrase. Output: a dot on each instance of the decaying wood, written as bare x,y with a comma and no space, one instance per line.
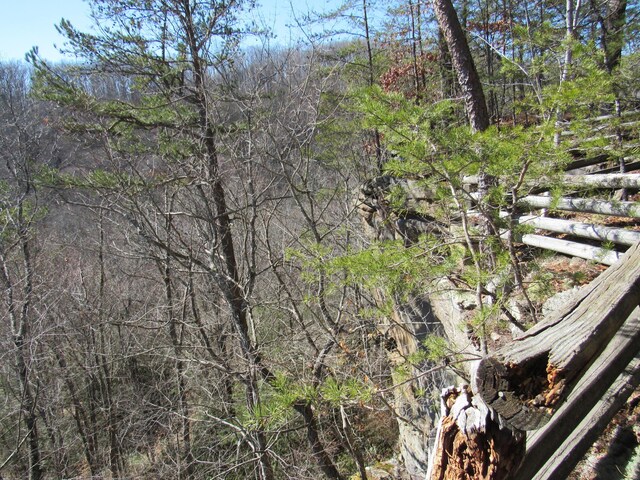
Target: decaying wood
597,254
554,450
526,381
471,444
587,205
582,230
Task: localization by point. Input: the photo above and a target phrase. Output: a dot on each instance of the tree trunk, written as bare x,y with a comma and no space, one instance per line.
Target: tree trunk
19,315
115,458
186,461
463,64
79,415
313,438
570,18
476,107
226,274
367,38
612,37
447,84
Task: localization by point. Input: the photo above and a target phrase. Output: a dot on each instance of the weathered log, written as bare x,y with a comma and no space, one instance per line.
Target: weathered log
587,205
471,444
588,161
629,125
604,123
631,164
527,380
601,141
555,450
575,249
582,230
603,180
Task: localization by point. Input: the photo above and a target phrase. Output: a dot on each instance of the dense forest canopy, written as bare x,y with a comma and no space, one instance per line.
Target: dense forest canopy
188,287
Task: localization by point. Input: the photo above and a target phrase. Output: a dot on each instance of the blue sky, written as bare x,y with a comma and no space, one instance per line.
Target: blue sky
28,23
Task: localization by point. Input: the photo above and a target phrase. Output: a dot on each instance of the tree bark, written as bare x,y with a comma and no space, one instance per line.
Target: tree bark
367,38
463,64
19,316
313,438
596,180
603,180
79,415
612,38
476,108
227,277
186,462
571,16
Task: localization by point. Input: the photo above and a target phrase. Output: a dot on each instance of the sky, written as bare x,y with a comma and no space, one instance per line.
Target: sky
28,23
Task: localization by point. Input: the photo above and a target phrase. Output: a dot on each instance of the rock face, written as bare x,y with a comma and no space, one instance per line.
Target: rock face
394,209
414,406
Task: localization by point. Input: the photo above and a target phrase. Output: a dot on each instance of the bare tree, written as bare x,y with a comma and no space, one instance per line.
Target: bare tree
24,149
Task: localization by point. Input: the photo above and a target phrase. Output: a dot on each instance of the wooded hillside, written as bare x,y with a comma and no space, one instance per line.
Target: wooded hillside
268,262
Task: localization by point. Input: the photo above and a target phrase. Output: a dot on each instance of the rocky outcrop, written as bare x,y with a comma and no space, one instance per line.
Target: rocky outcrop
394,209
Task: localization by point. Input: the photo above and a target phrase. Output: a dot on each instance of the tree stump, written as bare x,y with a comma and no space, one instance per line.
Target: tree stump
471,443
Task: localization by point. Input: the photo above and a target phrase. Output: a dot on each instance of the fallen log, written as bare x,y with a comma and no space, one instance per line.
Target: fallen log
606,120
555,450
577,445
586,205
582,230
527,380
575,249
